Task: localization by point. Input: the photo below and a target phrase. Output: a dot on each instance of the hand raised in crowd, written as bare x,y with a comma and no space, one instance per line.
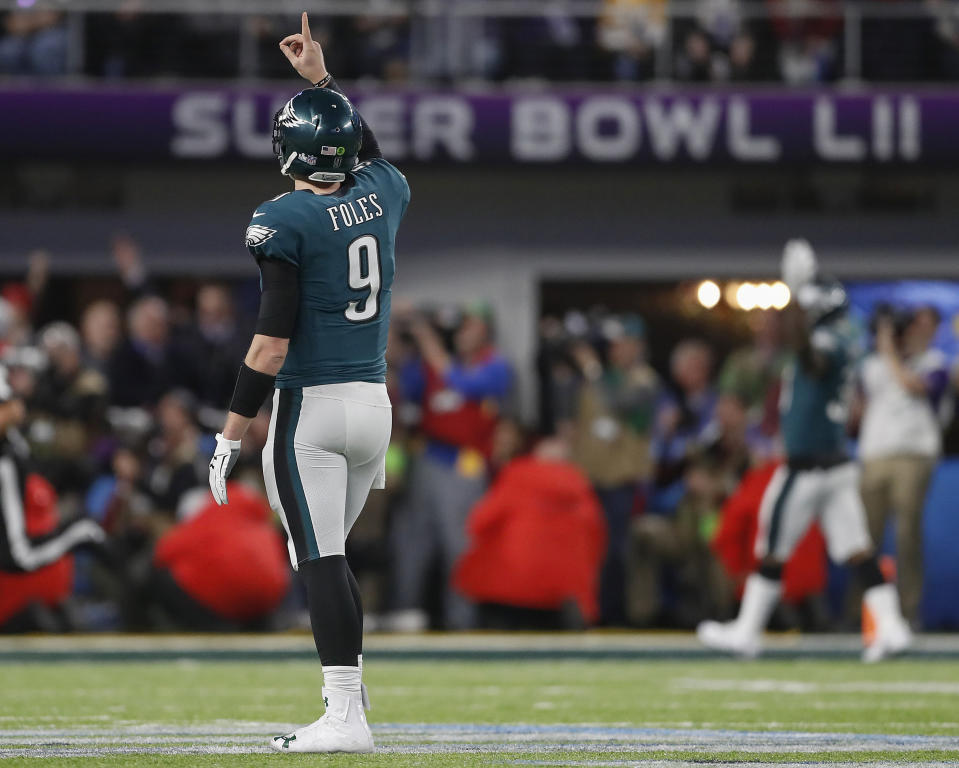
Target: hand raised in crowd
430,344
584,355
885,337
38,271
129,261
304,53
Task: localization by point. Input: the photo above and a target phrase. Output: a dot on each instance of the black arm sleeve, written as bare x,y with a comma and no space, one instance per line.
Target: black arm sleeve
280,298
371,147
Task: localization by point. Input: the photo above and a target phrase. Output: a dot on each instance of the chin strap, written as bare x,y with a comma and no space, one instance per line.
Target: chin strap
289,161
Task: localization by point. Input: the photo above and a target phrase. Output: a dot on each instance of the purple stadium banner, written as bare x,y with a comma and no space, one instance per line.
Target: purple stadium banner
639,126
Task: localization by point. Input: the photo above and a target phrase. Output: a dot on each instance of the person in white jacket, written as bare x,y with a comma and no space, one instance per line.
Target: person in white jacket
900,440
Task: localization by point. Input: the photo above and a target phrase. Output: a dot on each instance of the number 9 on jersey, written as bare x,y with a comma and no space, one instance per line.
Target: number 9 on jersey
364,256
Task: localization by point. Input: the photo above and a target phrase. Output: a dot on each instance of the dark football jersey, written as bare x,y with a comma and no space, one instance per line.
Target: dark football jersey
343,247
815,408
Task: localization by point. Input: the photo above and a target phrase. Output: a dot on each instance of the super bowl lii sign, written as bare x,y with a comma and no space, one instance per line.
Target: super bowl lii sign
643,127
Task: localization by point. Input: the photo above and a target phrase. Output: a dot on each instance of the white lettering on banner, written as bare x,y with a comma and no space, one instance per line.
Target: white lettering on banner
540,129
682,123
829,144
618,145
200,127
249,143
443,121
743,144
882,129
910,129
545,128
386,117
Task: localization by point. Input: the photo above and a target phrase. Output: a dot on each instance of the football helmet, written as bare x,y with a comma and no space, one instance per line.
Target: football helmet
317,135
822,299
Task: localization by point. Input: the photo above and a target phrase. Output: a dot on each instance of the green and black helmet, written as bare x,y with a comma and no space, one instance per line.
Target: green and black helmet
317,136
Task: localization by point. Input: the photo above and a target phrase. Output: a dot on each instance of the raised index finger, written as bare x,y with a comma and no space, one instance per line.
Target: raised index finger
308,39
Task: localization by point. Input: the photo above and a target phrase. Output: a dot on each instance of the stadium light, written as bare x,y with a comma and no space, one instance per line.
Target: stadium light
764,296
729,293
781,295
708,294
746,296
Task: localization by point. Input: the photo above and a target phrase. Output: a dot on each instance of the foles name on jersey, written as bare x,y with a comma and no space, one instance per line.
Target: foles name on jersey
354,212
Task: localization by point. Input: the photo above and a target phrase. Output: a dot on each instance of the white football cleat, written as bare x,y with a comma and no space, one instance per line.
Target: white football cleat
343,728
728,638
885,632
891,642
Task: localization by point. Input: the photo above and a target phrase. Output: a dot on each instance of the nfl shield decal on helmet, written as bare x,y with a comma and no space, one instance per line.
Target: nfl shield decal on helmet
257,234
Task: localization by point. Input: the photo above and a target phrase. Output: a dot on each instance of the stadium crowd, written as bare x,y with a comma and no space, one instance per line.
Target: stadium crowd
633,500
629,40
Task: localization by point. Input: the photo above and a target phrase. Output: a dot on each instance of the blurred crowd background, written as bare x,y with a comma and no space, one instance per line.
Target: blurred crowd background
630,499
608,40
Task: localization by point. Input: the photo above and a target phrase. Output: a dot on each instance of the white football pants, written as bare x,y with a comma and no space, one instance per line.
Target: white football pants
326,449
794,499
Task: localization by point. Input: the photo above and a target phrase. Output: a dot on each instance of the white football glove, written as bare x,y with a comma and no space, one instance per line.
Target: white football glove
799,265
224,458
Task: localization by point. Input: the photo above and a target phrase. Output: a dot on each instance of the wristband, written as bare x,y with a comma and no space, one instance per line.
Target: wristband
252,388
324,82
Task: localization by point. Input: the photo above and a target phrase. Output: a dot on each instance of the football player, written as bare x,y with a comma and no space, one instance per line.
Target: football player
819,481
326,259
19,551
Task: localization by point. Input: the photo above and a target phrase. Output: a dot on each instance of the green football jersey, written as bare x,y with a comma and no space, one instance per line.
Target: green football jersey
343,246
815,409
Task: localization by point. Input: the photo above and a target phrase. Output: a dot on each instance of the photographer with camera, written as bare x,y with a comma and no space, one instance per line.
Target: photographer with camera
903,381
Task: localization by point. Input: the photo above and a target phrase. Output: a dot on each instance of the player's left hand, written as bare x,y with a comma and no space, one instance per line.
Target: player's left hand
304,53
224,458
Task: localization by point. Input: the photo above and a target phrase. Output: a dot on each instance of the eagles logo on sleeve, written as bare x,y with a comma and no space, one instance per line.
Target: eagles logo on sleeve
257,234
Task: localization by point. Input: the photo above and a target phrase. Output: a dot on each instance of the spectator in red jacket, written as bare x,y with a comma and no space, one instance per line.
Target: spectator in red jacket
225,568
734,543
537,540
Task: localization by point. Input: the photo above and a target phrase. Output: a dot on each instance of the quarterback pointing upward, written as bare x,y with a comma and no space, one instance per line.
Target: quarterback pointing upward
325,252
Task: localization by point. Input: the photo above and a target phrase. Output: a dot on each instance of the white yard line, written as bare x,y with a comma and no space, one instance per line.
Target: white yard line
238,737
803,687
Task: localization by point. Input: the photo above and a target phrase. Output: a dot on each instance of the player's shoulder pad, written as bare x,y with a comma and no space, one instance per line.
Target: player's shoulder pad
266,234
380,166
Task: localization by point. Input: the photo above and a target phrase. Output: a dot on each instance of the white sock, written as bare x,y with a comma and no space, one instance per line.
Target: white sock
759,601
883,601
359,663
342,680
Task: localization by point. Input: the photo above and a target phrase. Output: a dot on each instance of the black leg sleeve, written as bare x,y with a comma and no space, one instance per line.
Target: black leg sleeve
869,574
357,601
337,630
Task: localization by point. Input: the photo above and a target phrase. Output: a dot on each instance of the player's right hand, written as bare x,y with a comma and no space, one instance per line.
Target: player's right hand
224,458
304,53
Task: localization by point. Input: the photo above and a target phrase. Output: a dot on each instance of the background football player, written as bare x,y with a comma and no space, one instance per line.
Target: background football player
819,481
19,551
325,252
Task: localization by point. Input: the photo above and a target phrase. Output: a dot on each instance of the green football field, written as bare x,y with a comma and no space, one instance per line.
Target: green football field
455,711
